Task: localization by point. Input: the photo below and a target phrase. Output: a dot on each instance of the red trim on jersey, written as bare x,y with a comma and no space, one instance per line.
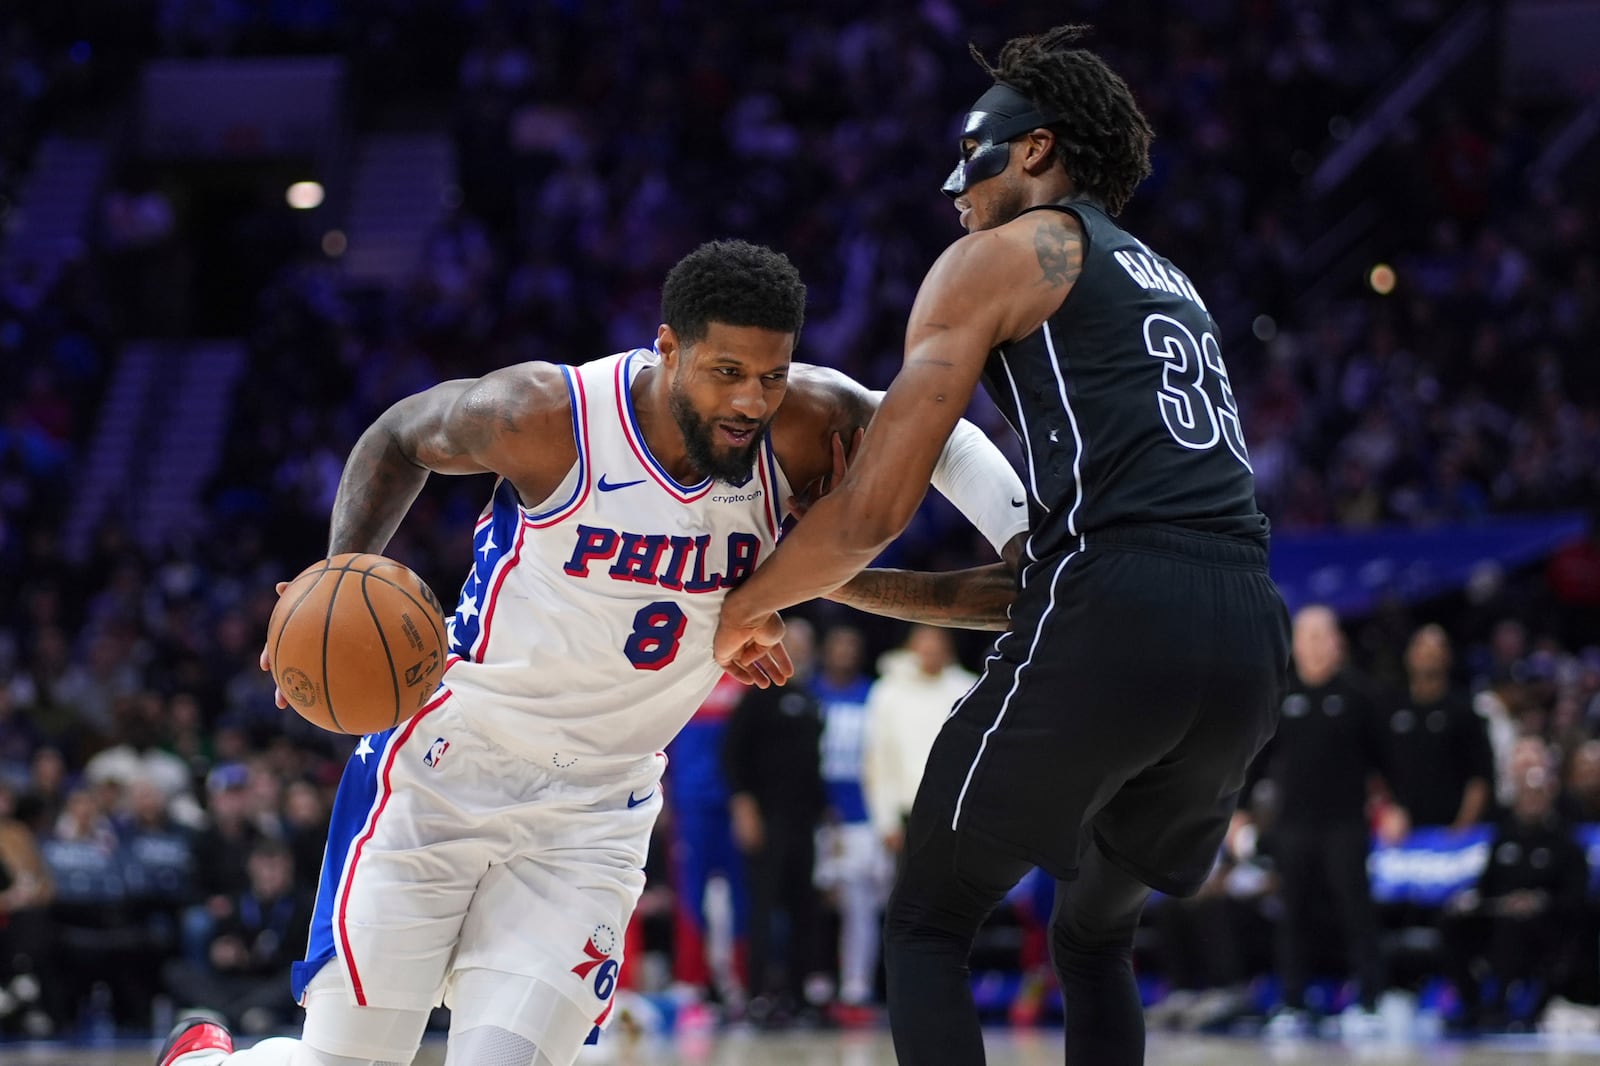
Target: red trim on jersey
771,490
642,450
482,643
582,442
778,506
395,745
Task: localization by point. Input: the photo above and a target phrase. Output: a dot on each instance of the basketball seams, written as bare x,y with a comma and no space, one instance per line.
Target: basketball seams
327,627
415,595
408,593
394,678
276,644
433,615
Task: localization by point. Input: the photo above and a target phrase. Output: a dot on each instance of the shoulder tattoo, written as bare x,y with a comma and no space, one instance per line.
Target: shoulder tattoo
1060,252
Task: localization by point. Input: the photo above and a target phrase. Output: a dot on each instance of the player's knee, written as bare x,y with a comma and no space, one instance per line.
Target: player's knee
339,1033
909,926
486,1003
488,1043
1072,938
902,920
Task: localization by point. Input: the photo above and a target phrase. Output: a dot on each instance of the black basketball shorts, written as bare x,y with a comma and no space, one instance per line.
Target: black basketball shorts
1141,675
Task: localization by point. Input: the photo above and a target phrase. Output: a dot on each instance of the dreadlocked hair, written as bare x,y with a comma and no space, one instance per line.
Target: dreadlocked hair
1102,138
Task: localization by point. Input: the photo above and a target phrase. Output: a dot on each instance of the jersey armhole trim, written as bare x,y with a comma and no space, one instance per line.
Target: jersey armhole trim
641,448
767,466
580,438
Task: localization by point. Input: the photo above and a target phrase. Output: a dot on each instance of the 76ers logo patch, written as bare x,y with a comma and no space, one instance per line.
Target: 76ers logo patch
602,944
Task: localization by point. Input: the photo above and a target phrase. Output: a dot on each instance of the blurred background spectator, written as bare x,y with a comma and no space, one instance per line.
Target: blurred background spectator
916,687
772,755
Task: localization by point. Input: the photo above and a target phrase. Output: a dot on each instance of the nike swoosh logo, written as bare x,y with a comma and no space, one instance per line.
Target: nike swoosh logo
613,486
1018,503
632,803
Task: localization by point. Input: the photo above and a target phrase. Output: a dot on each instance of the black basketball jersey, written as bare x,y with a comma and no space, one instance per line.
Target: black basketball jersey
1123,403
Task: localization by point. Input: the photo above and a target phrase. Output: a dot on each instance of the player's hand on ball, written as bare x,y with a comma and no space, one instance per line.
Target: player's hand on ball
266,660
754,654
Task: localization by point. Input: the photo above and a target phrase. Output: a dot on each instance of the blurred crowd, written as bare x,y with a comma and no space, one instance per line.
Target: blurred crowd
159,816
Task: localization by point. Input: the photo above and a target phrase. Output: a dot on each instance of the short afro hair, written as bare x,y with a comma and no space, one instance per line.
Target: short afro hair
1102,138
735,283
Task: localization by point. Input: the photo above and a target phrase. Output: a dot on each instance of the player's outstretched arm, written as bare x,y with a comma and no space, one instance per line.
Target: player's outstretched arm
985,290
821,425
515,422
976,598
825,407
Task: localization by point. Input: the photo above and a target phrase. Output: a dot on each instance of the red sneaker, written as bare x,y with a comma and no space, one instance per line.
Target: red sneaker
195,1034
853,1015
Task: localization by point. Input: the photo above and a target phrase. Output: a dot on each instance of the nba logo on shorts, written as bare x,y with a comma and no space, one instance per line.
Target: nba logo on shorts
436,752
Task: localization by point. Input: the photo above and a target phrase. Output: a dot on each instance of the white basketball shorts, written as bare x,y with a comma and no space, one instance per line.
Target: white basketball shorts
447,854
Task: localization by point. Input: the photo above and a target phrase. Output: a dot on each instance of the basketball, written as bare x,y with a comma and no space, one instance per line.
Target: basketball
357,643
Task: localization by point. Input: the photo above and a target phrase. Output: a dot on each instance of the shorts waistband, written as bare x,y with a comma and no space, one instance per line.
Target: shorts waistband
1217,549
546,753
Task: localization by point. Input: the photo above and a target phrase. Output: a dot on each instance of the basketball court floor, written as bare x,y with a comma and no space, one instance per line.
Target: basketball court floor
1005,1049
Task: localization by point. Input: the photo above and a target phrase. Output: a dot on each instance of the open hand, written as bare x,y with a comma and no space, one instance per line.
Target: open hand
753,654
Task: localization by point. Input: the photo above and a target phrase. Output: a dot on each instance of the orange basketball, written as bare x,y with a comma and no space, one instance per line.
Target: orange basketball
357,643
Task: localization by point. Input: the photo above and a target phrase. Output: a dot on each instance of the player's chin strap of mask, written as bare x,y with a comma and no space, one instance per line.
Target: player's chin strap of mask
999,115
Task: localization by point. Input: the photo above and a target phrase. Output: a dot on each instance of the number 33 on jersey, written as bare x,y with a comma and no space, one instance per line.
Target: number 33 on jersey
1123,402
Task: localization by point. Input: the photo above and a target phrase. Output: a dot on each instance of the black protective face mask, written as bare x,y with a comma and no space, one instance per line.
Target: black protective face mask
999,115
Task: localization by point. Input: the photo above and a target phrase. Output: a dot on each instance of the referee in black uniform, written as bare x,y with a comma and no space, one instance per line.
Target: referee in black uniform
1109,735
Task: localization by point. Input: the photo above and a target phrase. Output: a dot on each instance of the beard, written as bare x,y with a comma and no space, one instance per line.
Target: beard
699,441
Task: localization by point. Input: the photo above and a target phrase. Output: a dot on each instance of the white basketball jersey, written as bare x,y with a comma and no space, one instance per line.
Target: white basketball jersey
583,633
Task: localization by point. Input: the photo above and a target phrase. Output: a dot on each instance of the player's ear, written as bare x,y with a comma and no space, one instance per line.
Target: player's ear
1039,150
667,345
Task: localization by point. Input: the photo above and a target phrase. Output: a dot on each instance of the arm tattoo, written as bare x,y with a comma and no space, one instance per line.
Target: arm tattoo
1060,252
376,490
452,428
961,599
481,422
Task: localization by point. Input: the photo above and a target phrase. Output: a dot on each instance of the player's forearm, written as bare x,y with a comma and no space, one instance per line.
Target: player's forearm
378,486
978,598
835,541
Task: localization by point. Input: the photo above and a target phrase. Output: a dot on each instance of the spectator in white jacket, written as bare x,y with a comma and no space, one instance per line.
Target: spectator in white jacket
916,687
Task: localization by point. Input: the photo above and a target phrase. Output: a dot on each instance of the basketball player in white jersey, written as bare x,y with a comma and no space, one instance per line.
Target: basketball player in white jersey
488,852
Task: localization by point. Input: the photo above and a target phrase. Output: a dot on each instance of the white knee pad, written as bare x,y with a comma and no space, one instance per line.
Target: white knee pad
488,1045
341,1033
519,1006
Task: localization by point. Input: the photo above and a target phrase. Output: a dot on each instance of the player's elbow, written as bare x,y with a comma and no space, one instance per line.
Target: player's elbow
871,521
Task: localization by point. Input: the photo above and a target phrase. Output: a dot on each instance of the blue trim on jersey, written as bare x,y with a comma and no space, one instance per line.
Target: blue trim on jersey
775,505
577,438
358,789
638,434
491,542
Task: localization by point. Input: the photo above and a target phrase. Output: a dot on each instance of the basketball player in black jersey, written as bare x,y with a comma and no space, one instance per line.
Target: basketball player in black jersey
1109,735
